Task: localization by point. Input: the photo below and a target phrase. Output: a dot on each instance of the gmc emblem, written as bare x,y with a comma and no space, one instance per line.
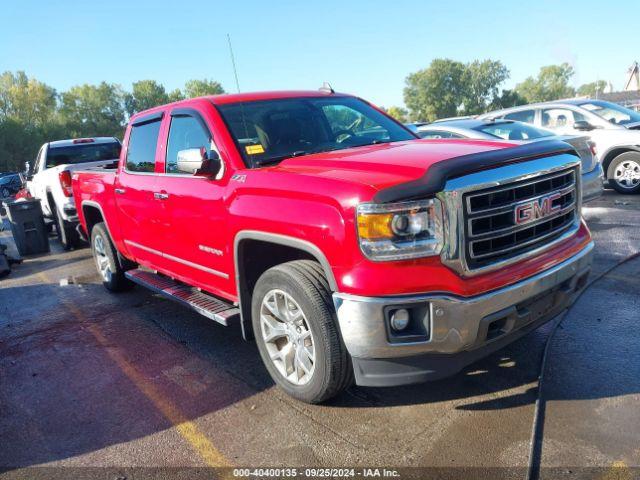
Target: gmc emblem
536,209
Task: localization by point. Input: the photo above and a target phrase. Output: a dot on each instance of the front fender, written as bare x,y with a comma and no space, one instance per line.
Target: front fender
316,227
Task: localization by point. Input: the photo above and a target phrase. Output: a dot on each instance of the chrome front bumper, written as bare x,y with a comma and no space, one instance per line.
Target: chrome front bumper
457,324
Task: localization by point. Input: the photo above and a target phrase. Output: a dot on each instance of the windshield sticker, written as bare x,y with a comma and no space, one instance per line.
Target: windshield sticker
254,149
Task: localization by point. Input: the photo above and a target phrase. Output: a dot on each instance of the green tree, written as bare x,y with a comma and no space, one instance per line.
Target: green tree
26,99
200,88
448,88
93,110
592,89
482,80
145,94
399,113
552,83
507,98
436,91
176,95
27,118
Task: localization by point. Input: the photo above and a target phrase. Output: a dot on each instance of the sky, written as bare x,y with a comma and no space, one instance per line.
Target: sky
361,47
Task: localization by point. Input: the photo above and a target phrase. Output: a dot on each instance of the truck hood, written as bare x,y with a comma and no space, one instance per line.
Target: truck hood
384,165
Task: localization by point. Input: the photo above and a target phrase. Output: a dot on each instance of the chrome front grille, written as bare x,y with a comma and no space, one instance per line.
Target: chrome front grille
512,219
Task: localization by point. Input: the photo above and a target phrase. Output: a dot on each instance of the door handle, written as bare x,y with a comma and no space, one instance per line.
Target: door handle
119,191
160,195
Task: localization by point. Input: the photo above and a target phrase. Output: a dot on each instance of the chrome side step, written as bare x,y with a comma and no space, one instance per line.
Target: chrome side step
207,305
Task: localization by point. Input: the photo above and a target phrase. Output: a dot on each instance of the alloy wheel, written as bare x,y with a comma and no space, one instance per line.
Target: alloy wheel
287,337
627,174
102,260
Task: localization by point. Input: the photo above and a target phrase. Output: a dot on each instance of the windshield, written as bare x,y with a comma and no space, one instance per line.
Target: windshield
513,131
613,113
268,131
82,153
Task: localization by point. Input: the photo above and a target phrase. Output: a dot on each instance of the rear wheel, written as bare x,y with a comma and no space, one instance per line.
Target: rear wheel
624,173
107,263
296,332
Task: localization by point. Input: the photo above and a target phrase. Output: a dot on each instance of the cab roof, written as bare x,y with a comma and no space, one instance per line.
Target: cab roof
272,95
227,98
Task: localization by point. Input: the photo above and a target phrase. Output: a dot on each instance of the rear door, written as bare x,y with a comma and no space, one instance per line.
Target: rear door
196,244
139,209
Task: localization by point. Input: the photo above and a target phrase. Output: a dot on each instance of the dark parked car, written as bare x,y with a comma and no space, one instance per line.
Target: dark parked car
10,184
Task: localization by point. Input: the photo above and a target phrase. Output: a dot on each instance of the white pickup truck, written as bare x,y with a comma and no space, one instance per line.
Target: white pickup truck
50,180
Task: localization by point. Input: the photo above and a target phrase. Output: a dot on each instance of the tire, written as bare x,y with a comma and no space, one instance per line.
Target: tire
623,173
105,256
66,233
311,325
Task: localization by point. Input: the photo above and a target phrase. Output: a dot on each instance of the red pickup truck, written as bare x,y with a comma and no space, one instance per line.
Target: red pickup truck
348,248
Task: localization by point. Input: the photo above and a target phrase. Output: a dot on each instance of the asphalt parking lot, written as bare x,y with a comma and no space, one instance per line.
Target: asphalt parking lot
89,378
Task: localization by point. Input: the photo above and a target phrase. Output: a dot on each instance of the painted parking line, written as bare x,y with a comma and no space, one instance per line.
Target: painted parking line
187,429
618,470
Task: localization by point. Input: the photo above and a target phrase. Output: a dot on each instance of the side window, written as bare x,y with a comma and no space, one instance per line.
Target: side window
185,133
560,117
141,152
526,116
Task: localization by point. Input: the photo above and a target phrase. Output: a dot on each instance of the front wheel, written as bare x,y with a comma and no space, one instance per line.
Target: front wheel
106,258
296,331
624,173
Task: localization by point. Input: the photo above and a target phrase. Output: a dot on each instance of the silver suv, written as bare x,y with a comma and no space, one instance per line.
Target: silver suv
613,129
489,129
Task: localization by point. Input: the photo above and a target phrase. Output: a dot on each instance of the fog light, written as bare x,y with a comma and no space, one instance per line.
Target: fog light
400,319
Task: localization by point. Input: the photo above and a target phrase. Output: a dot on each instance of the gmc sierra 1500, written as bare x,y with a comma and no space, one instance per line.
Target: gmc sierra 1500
341,242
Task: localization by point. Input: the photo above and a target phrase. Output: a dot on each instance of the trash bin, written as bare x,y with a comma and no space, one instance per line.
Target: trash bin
27,226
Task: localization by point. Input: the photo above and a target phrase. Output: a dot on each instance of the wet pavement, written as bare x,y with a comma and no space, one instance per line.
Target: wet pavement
89,378
591,386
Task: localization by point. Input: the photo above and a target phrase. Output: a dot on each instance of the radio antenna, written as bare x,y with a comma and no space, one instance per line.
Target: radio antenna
235,74
233,62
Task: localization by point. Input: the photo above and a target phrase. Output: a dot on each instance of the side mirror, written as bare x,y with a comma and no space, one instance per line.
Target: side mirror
197,161
583,126
28,175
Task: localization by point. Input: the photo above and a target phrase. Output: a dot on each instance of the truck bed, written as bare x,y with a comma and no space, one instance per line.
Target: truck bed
94,187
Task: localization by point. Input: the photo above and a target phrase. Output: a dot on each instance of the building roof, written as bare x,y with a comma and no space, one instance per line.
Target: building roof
620,97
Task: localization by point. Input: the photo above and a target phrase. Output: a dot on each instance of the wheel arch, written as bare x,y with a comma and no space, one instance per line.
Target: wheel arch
613,153
51,203
93,214
281,249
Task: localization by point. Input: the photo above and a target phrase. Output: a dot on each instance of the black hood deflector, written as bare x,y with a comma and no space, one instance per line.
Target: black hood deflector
436,176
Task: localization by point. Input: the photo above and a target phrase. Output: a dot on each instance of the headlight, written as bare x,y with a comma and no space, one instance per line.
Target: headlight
399,231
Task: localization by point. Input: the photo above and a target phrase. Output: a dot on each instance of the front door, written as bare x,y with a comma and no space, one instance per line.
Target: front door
195,243
561,120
